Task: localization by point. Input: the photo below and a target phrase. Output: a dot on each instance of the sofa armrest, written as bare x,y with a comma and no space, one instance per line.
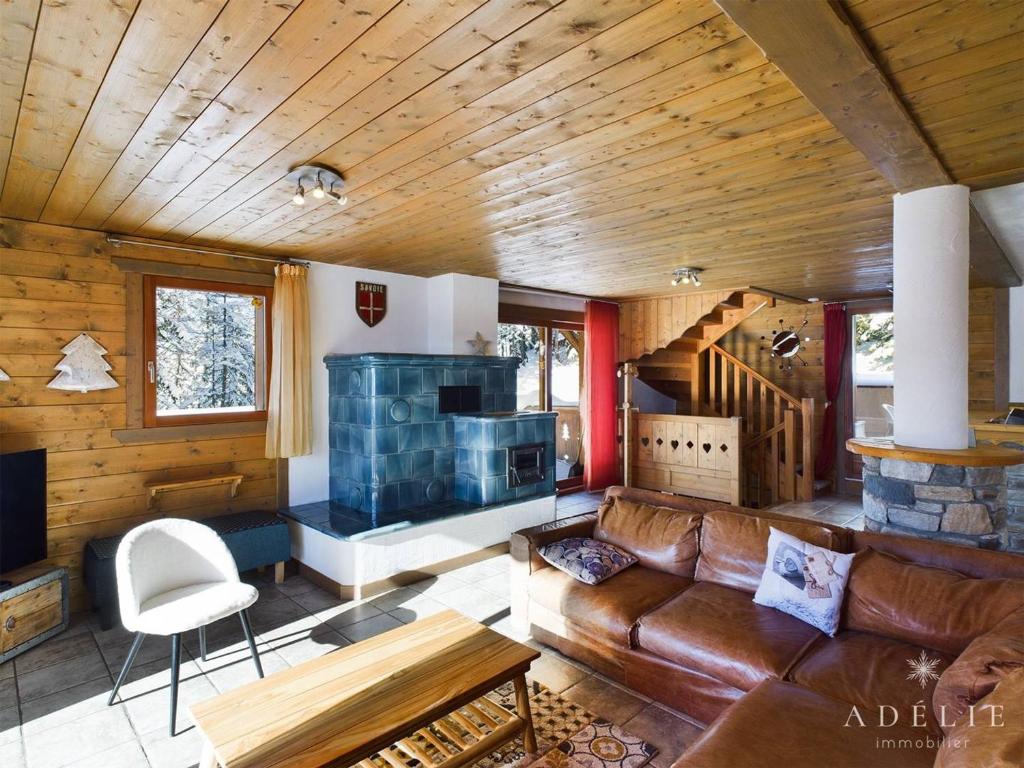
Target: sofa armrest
525,560
525,543
980,668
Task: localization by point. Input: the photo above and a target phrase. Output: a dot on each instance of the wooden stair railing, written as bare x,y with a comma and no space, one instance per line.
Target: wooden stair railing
681,329
777,428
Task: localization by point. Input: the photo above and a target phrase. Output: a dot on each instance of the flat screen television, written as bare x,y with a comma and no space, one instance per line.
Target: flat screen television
22,508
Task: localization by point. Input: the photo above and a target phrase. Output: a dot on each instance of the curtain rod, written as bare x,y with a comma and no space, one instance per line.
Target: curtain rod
546,292
118,241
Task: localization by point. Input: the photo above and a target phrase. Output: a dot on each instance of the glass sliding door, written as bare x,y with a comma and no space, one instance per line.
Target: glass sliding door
528,343
868,402
872,374
566,390
550,348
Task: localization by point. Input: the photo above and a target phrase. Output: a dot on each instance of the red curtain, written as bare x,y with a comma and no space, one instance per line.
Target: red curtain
837,331
600,362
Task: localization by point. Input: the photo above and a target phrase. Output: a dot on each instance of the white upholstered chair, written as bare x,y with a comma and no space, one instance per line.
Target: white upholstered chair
174,576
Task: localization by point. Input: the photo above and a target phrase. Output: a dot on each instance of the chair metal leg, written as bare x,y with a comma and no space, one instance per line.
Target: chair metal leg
175,663
244,616
136,644
202,643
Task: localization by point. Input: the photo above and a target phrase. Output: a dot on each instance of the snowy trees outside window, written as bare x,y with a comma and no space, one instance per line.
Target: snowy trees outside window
206,351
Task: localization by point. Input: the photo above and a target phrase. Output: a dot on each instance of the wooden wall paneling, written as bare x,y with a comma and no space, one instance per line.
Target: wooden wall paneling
988,349
63,77
96,484
157,42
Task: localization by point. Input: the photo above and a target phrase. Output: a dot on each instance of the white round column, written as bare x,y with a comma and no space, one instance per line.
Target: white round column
930,261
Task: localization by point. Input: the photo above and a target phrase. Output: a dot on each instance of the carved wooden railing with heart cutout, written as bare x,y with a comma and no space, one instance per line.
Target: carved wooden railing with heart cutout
693,455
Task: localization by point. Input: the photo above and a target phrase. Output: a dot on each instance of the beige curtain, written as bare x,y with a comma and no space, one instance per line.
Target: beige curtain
290,401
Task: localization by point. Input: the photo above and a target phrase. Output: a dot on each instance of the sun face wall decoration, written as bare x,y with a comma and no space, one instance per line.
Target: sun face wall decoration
785,344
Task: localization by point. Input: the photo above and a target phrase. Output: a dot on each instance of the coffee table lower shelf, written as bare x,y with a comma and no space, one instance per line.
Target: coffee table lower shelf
461,738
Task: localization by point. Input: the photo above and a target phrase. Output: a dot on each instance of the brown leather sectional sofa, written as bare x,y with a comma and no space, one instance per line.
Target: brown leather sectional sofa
680,626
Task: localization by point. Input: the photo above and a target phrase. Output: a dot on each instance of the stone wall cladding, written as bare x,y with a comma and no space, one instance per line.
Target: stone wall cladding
976,506
1014,501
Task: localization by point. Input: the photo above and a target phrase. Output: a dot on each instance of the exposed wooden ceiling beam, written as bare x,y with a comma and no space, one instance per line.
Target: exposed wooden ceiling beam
817,47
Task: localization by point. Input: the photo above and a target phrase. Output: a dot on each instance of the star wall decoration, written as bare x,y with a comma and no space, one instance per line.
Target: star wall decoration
479,344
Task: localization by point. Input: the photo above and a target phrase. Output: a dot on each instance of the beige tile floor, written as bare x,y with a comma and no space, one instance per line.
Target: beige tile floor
53,709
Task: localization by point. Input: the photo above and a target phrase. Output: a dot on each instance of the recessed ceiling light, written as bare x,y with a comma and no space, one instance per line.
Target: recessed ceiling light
814,299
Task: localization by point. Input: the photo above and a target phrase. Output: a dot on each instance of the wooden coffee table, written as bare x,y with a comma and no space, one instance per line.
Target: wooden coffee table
388,695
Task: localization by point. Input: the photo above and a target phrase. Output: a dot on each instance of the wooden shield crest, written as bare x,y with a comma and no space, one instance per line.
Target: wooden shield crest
371,302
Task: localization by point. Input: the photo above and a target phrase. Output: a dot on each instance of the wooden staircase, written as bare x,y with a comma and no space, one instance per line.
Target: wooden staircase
671,369
777,429
673,342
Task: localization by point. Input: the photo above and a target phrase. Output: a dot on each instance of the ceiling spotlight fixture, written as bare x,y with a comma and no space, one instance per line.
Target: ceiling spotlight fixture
321,179
337,197
687,275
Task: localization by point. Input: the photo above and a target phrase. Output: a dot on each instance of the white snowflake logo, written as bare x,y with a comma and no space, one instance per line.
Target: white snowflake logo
922,669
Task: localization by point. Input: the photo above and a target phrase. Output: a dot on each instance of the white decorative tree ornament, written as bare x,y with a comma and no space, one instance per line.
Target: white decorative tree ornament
83,367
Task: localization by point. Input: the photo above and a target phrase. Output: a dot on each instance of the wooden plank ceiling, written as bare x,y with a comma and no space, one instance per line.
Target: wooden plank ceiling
564,144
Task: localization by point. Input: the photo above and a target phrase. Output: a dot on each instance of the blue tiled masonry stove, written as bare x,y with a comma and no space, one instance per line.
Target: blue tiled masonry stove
392,452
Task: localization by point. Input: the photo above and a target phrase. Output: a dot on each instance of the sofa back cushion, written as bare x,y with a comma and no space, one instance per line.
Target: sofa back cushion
998,744
924,605
733,546
988,660
974,562
660,538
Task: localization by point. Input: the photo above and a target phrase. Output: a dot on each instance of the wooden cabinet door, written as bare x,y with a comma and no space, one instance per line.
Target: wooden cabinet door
29,614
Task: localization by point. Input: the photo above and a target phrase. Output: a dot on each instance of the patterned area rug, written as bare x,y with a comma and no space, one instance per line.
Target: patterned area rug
568,736
600,745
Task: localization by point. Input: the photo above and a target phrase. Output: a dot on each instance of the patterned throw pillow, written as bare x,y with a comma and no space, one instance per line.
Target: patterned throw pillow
586,560
804,580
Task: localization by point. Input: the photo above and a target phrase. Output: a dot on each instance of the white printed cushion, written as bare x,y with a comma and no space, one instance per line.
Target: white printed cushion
804,580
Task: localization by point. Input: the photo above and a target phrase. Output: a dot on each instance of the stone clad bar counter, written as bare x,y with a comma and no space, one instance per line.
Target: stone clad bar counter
956,495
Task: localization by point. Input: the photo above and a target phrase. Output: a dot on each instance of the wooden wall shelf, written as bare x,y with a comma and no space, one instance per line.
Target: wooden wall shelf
201,482
982,456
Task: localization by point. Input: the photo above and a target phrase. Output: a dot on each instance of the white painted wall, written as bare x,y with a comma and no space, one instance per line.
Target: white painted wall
461,305
335,328
424,315
1017,344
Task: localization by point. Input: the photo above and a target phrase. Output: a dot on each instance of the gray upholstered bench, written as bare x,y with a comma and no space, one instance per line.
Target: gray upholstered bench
256,540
